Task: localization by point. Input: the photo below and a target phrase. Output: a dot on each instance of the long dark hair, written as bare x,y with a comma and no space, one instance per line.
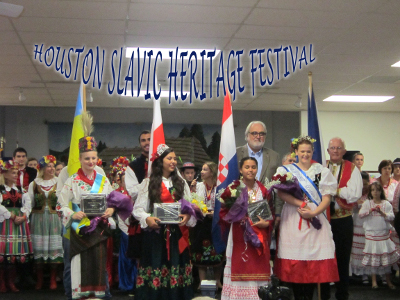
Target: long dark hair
379,187
156,180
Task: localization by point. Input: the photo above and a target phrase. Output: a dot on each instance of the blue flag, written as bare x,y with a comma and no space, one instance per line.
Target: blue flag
314,129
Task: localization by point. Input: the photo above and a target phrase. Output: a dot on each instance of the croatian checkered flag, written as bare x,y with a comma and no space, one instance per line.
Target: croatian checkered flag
227,167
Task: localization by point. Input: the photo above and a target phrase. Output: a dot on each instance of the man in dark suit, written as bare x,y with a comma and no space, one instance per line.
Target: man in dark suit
268,160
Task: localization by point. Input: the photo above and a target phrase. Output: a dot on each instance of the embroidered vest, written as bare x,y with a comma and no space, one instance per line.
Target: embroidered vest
40,201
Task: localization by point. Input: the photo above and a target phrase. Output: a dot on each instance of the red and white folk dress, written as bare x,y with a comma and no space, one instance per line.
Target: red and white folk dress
305,254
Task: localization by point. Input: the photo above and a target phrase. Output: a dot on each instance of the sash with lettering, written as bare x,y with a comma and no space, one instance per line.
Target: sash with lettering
306,184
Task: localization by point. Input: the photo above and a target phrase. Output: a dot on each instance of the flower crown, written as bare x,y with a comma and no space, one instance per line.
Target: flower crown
7,165
160,150
296,141
46,160
120,161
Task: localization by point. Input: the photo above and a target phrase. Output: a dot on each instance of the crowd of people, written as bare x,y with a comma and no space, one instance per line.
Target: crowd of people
294,218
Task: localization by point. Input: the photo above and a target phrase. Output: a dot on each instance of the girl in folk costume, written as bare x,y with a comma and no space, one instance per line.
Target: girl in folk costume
127,270
45,223
202,249
380,253
357,249
88,245
118,166
165,271
15,237
247,253
306,251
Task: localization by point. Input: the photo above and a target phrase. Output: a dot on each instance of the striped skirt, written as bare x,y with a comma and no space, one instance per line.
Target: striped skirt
15,240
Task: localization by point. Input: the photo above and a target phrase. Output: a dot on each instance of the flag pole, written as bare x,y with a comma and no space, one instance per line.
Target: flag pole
84,96
310,90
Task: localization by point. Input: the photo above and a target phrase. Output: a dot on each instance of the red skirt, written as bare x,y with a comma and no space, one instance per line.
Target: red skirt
307,271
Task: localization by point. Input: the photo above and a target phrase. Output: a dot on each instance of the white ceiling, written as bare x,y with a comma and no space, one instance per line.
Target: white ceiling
355,43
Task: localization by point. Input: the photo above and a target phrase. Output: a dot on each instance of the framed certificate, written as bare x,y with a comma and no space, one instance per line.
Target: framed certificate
94,205
168,213
259,208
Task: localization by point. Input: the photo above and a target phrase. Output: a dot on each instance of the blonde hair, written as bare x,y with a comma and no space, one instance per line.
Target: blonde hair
40,173
213,168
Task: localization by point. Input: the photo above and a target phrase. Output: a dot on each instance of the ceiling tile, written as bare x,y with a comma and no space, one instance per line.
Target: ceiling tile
64,25
187,13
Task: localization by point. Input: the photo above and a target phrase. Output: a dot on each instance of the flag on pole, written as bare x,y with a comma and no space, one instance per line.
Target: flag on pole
77,132
313,126
228,170
157,132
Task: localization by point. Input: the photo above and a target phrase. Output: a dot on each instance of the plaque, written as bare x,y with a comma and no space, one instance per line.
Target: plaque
93,205
168,213
259,208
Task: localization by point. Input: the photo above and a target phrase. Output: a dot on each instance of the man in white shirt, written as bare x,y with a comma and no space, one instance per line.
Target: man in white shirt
349,191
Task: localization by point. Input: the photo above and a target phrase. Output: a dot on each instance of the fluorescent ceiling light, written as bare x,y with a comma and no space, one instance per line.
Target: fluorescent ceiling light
396,65
165,52
164,94
344,98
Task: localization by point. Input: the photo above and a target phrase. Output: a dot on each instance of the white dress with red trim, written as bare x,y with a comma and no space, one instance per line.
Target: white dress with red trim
305,254
357,249
380,253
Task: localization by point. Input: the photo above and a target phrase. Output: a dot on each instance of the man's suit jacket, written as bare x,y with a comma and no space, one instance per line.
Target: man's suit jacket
271,161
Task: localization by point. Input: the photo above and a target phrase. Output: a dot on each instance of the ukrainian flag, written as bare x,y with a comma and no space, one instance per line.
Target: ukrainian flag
77,133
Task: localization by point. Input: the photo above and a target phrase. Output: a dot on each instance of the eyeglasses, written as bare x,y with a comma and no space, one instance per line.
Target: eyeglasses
335,148
261,134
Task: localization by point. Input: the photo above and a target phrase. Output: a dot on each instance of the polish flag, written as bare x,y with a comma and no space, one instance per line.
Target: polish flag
228,170
157,132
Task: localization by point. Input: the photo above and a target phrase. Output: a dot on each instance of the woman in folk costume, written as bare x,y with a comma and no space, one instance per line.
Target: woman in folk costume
45,223
306,251
247,252
88,246
165,271
202,249
15,237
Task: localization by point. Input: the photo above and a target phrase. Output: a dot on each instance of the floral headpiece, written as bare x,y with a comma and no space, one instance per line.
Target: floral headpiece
46,160
160,150
99,162
7,165
87,143
119,163
296,141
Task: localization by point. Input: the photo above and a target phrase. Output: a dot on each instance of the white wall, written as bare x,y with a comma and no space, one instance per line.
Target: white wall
375,134
28,125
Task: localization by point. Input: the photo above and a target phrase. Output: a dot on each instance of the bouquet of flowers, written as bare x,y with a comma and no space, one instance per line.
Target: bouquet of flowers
234,201
199,202
229,196
289,184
